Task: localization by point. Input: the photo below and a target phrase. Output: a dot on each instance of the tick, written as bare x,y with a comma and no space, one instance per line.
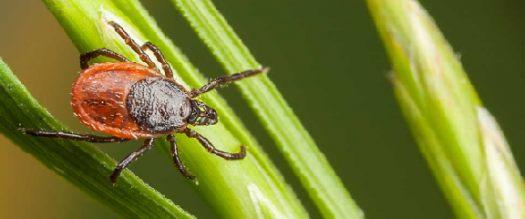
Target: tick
128,101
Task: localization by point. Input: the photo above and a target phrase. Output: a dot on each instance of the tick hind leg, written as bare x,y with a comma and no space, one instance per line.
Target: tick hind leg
73,136
160,58
210,148
88,56
177,160
148,144
131,43
225,80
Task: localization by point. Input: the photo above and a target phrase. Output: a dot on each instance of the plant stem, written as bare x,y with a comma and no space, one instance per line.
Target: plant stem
234,189
80,163
317,176
461,141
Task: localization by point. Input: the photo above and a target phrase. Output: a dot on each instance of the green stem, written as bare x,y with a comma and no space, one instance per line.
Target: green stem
80,163
461,141
317,176
235,189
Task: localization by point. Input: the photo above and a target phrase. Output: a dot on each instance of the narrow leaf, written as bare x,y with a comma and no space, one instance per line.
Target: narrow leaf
234,189
461,141
80,163
307,161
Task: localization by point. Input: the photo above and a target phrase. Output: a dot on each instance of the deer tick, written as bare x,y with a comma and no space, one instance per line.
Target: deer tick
132,101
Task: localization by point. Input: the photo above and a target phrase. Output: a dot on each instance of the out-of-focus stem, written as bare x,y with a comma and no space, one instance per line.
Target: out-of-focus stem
460,140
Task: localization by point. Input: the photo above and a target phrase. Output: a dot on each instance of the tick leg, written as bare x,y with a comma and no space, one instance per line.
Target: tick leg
210,148
131,43
86,57
165,65
73,136
225,80
177,161
148,144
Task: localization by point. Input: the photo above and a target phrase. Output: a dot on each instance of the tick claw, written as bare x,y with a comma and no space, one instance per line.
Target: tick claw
196,181
265,70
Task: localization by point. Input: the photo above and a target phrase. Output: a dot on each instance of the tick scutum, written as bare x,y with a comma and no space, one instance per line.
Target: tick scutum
158,105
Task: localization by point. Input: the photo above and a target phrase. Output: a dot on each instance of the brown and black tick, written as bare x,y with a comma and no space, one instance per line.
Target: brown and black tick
132,101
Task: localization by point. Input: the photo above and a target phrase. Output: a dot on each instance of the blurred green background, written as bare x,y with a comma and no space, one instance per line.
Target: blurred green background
327,61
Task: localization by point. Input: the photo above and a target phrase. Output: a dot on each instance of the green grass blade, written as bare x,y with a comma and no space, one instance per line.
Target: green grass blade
234,189
80,163
318,178
461,141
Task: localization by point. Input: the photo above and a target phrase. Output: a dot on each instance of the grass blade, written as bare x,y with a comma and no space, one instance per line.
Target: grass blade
461,141
80,163
234,189
317,176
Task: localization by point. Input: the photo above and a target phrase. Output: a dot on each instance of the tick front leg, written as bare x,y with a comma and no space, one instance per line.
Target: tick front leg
178,161
225,80
88,56
148,144
73,136
210,148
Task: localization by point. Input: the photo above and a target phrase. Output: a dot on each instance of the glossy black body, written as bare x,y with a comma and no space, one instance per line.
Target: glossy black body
159,105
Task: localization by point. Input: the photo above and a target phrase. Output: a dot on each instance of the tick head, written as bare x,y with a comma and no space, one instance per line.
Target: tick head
202,114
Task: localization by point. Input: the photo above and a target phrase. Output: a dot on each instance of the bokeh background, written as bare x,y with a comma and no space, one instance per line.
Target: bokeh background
327,61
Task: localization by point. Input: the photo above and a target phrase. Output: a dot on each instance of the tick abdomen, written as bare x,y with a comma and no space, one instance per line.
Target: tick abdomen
99,99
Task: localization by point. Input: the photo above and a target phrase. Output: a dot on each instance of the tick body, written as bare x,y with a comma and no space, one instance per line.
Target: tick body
129,100
133,101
